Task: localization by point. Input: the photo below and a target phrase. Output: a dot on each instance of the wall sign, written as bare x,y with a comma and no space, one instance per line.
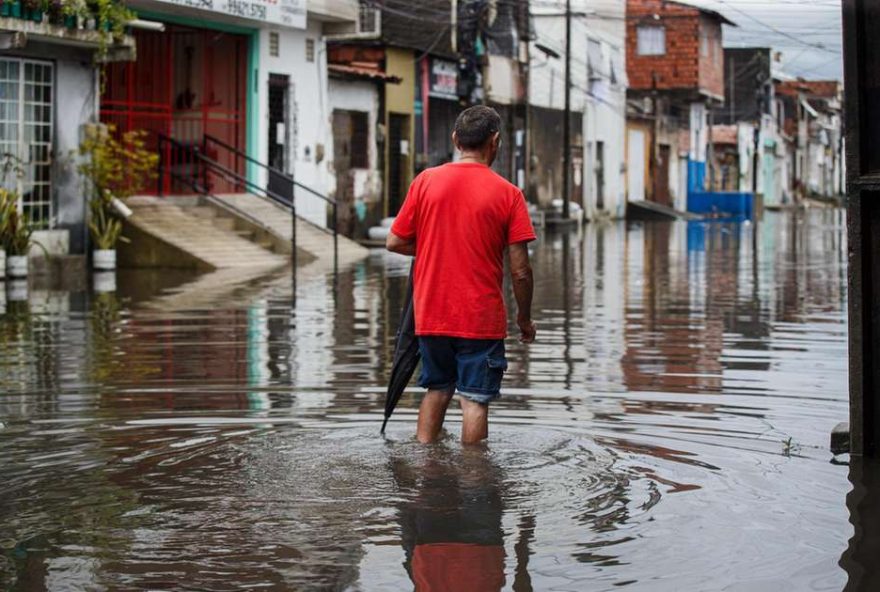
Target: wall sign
444,80
285,13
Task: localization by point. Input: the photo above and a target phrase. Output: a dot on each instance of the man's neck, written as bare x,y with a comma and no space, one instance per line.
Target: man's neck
474,157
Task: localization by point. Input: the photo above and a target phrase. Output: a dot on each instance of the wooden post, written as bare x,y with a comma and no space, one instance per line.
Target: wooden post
861,46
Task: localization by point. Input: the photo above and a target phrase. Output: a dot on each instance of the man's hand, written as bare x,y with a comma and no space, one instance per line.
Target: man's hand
527,330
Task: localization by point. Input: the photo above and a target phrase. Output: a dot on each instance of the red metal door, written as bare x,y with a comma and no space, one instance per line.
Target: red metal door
186,83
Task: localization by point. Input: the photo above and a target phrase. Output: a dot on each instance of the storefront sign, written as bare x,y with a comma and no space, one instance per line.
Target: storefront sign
285,13
444,80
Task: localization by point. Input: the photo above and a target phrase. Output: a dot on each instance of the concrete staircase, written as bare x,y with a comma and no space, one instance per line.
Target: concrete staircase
185,233
271,223
225,232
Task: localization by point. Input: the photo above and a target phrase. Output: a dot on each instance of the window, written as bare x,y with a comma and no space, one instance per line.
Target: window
704,44
360,140
651,40
310,50
274,44
596,66
618,69
26,103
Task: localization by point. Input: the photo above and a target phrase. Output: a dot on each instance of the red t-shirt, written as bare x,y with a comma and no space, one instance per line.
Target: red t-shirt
462,217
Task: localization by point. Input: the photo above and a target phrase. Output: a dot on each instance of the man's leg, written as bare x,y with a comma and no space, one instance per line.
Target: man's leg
474,421
431,414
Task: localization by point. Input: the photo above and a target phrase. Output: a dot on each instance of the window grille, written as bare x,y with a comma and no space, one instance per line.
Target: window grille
26,121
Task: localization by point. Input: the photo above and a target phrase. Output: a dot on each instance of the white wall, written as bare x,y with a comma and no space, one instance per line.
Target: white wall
311,115
361,96
605,116
602,101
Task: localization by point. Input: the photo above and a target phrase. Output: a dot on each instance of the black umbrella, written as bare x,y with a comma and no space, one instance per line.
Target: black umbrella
406,354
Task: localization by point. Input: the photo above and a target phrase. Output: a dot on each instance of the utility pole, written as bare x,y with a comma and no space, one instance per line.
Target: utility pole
566,127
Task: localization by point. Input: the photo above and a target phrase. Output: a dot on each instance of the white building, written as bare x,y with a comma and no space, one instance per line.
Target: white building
598,97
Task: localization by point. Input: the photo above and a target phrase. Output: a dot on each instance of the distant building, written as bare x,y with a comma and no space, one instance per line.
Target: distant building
812,119
750,111
598,105
675,69
411,72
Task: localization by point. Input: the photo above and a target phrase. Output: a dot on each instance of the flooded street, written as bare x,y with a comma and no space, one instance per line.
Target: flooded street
668,431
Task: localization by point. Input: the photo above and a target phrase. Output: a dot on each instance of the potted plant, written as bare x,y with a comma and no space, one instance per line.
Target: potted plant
115,167
106,231
16,236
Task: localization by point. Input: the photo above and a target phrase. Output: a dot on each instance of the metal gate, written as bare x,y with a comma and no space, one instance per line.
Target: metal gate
26,122
186,83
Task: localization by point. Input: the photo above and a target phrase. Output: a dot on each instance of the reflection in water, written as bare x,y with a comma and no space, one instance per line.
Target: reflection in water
860,558
667,432
451,527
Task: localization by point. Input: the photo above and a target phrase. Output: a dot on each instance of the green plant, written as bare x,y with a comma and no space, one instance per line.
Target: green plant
115,166
16,229
104,227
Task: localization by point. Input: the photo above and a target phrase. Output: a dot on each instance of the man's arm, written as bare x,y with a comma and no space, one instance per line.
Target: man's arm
523,286
395,244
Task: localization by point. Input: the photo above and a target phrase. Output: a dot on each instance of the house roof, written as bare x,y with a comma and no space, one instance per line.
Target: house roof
708,11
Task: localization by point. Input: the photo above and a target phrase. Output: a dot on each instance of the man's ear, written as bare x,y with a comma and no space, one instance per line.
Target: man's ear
454,139
496,139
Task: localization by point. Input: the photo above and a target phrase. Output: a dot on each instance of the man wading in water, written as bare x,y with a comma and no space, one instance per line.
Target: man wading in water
458,219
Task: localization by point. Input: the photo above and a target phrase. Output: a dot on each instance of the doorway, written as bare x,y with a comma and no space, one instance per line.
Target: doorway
185,83
661,176
279,136
398,159
351,132
635,172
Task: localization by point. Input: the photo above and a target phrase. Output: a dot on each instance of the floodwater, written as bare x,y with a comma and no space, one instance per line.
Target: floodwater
668,431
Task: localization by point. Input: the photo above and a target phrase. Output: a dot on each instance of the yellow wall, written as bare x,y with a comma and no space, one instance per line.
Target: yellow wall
400,98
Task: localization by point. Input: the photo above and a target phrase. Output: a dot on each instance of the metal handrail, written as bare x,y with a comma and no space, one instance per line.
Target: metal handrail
211,139
229,174
294,184
226,172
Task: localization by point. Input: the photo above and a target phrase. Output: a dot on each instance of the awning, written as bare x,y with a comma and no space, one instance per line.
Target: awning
362,72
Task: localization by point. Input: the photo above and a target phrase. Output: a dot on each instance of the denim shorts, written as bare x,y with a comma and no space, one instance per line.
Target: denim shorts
474,367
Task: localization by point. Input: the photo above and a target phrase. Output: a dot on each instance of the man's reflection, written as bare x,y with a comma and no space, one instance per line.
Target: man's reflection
451,520
860,560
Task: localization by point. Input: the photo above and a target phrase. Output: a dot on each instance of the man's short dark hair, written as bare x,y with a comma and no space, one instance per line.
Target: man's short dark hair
476,125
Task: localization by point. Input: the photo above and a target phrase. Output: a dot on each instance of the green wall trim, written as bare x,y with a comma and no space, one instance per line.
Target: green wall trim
252,129
253,106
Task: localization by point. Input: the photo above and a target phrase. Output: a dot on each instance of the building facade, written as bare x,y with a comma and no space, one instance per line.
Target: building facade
810,114
675,68
49,83
246,82
597,97
413,70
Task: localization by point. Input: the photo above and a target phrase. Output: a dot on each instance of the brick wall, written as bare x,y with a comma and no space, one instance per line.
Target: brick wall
682,67
711,57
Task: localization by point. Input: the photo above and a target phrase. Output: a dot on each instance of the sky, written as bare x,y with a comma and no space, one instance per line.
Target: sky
807,33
